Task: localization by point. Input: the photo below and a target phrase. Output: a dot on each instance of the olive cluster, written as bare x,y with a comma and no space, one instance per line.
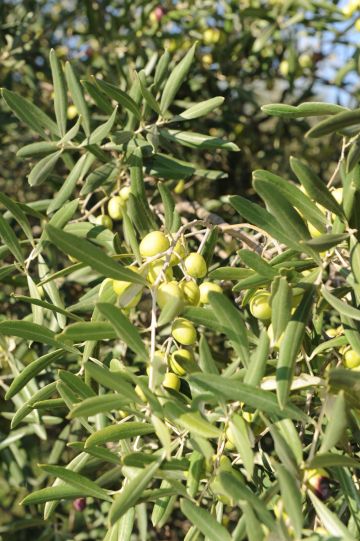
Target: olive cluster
160,255
115,209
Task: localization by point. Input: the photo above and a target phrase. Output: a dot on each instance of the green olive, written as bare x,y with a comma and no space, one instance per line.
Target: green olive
154,243
182,361
205,289
169,292
184,331
104,220
191,292
155,268
125,192
351,359
115,208
259,305
171,381
195,265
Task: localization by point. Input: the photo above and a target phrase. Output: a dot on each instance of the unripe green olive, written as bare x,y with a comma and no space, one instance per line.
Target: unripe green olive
169,292
334,332
120,286
125,192
259,305
179,188
71,112
153,243
191,292
195,265
351,359
184,331
178,253
205,289
104,220
155,269
182,361
171,381
115,208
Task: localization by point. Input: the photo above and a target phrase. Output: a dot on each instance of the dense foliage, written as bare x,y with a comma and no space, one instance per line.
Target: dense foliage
176,364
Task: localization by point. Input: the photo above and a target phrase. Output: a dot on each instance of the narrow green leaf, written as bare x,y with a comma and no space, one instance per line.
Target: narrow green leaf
206,361
111,380
253,526
192,421
337,423
86,252
330,521
340,306
161,68
168,203
98,330
175,79
288,218
10,240
55,493
32,370
257,263
47,306
263,219
76,175
132,492
281,297
325,242
34,150
119,432
335,123
302,110
329,460
296,197
197,140
202,108
60,97
44,393
29,113
98,97
148,97
101,131
291,496
78,97
18,214
236,488
43,169
195,473
226,313
352,332
120,96
76,465
314,186
98,404
257,365
33,332
204,521
230,389
290,347
77,481
124,329
240,435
